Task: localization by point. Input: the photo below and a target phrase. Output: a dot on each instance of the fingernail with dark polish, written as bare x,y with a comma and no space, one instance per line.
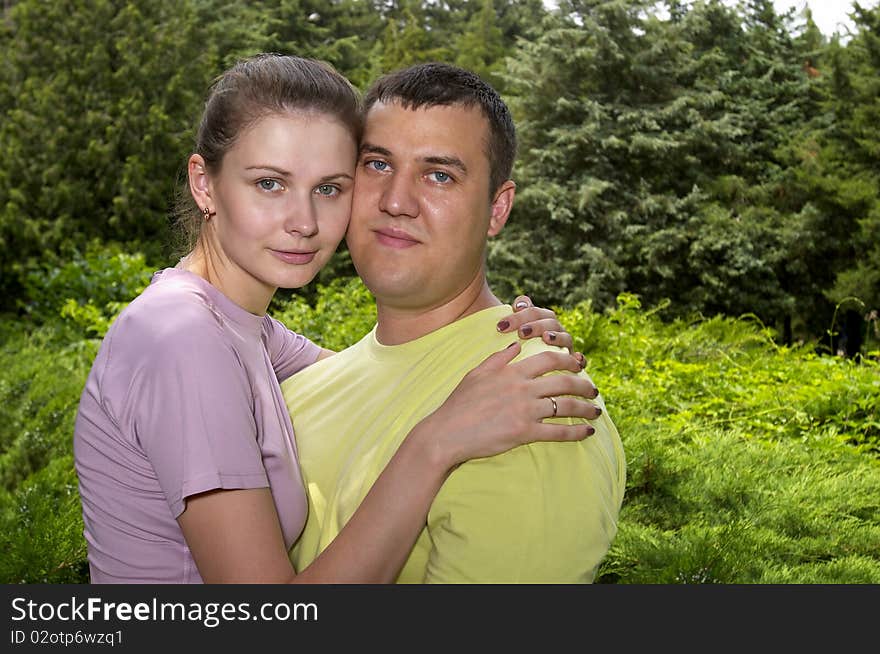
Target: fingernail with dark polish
590,431
504,324
526,331
551,336
512,344
598,412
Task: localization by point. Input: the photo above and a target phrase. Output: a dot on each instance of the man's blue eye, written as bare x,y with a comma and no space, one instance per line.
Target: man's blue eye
377,165
440,176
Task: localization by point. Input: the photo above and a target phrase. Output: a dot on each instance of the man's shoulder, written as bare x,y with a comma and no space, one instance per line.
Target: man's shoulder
331,366
532,346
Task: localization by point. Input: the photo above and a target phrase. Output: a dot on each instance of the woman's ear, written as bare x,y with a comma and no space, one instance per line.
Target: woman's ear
501,206
200,183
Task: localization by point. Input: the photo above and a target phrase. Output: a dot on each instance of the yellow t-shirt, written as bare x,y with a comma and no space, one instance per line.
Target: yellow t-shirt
540,513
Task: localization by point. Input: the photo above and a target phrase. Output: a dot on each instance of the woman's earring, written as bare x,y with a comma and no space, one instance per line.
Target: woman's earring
208,213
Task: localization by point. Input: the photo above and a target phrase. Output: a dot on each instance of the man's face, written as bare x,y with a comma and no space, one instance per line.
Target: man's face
422,210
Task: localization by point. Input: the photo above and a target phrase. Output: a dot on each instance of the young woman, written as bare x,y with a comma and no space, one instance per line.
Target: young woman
182,430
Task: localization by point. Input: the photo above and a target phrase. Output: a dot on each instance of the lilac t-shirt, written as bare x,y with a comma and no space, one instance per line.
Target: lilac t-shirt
182,398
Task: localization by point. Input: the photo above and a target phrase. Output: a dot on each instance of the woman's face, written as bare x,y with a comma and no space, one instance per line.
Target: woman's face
282,200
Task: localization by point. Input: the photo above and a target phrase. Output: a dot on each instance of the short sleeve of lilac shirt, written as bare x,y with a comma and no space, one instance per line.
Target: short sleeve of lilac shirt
183,398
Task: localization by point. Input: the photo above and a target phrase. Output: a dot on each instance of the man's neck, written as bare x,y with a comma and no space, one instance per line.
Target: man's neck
397,325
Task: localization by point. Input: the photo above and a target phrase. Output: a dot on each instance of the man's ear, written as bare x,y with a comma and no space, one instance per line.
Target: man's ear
199,182
501,206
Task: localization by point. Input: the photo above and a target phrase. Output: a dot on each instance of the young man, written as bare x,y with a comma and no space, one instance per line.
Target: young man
432,184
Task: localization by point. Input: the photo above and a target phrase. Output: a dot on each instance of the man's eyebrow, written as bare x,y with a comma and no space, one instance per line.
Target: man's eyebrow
439,160
369,148
453,162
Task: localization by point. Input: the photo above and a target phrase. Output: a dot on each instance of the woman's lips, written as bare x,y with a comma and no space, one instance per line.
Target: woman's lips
295,256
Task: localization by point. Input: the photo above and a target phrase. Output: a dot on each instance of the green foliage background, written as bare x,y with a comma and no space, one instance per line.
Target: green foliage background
716,165
723,157
749,462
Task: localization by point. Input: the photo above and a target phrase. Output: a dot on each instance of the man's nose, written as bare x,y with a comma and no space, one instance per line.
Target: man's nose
399,197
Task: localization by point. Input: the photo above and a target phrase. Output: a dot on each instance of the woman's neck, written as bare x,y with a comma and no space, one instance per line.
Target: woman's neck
247,292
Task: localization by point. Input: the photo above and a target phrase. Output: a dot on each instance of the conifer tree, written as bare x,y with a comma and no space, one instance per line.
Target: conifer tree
98,109
834,178
648,159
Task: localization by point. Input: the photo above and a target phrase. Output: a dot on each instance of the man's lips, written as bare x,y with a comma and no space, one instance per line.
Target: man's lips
295,256
395,238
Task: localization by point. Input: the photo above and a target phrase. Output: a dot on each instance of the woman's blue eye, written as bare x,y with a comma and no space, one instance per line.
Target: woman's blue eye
268,184
327,189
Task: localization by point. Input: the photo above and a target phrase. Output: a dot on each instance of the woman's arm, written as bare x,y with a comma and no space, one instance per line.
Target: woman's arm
325,353
234,536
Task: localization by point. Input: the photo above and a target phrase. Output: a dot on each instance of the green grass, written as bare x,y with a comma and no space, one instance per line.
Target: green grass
747,462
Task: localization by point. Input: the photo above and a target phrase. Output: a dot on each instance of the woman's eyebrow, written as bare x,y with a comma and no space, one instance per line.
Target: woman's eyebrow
330,178
274,169
283,173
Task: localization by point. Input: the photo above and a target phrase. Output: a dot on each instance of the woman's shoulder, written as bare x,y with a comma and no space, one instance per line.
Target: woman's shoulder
166,339
170,310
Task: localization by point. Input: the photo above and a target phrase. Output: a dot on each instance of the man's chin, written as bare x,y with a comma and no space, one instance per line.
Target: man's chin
397,292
